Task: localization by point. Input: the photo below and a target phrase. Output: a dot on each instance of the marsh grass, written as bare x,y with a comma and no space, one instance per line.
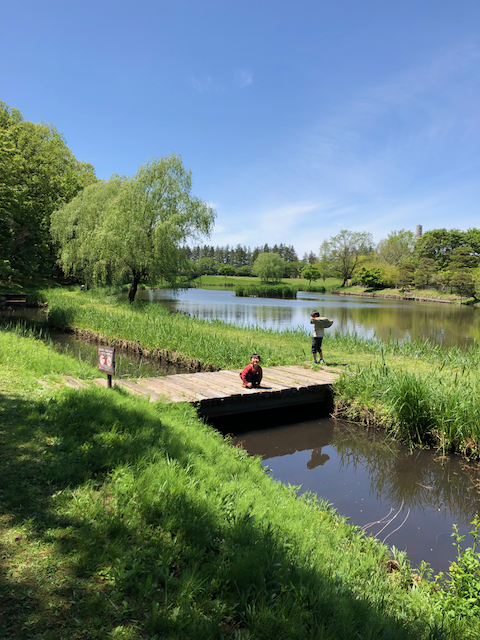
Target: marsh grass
126,519
266,291
439,408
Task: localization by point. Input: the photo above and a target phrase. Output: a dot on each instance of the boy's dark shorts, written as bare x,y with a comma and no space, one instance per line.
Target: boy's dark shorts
254,378
316,345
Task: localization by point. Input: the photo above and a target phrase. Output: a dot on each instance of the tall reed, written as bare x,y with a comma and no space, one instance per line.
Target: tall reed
440,408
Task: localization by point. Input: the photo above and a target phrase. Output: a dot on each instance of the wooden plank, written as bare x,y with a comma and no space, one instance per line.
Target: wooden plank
181,390
287,374
288,379
311,376
170,393
173,391
221,392
214,381
180,382
134,388
73,383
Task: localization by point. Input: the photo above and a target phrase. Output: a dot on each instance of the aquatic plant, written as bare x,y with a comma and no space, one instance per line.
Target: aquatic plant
266,291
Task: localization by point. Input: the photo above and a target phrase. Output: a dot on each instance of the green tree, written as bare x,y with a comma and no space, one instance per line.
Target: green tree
370,277
292,269
464,282
406,275
132,227
246,270
226,270
207,267
438,244
426,272
269,267
324,265
397,248
463,258
345,250
38,173
310,272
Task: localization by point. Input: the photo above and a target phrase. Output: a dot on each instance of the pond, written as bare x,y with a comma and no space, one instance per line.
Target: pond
444,324
410,500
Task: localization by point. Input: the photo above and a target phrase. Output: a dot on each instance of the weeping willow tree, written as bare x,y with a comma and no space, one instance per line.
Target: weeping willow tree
131,226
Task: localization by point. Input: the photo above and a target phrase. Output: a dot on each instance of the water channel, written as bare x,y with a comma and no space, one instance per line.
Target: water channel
409,499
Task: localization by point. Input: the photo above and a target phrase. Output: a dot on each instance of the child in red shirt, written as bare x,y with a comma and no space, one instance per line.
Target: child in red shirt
252,374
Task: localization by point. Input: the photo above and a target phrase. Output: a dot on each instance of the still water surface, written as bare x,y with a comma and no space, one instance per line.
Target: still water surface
444,324
408,499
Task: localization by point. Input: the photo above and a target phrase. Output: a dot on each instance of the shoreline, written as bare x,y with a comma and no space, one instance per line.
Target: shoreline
392,296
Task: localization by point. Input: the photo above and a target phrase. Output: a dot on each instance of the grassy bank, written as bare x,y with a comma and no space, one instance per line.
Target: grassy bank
125,519
420,392
425,295
298,283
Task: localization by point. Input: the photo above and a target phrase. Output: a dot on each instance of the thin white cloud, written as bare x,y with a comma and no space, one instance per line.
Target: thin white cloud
206,85
243,78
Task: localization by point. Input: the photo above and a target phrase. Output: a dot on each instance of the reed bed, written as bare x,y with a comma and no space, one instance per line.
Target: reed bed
224,345
266,291
439,408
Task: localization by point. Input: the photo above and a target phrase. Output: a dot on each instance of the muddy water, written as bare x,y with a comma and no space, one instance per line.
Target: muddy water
409,500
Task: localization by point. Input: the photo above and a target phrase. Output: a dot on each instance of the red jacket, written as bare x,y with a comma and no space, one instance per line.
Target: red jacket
249,369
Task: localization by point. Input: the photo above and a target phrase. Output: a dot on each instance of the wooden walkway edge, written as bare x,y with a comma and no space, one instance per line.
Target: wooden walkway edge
220,393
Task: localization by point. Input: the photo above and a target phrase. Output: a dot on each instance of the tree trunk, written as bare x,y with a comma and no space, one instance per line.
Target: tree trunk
133,287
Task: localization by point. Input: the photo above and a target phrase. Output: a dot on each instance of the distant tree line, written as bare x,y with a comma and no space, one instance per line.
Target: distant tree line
445,259
226,260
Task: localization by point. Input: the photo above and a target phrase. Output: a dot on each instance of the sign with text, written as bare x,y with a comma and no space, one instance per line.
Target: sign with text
106,360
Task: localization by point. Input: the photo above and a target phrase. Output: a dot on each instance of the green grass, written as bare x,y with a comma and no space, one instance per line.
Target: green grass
443,382
125,519
298,283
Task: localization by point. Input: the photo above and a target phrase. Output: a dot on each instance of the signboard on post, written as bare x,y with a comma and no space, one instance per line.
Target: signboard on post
106,362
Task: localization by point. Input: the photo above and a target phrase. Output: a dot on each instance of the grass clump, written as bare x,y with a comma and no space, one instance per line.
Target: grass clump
437,408
266,291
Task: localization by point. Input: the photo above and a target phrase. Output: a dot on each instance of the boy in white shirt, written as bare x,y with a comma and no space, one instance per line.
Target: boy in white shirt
319,325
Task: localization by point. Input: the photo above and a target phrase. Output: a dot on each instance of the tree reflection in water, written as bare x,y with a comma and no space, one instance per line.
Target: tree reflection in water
418,479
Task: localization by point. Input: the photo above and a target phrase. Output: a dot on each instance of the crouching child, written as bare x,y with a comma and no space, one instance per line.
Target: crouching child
252,374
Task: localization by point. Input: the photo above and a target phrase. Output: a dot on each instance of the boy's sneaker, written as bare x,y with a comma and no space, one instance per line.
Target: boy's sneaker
322,361
315,362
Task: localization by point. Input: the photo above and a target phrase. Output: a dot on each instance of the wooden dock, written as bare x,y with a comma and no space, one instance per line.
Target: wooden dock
221,393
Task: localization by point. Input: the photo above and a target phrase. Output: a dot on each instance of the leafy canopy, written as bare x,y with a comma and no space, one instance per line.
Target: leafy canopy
345,249
132,227
269,267
38,173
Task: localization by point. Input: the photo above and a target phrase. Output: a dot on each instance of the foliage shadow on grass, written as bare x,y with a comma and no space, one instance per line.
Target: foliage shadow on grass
145,553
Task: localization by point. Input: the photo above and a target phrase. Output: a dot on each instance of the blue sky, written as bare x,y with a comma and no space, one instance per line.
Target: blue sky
297,120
